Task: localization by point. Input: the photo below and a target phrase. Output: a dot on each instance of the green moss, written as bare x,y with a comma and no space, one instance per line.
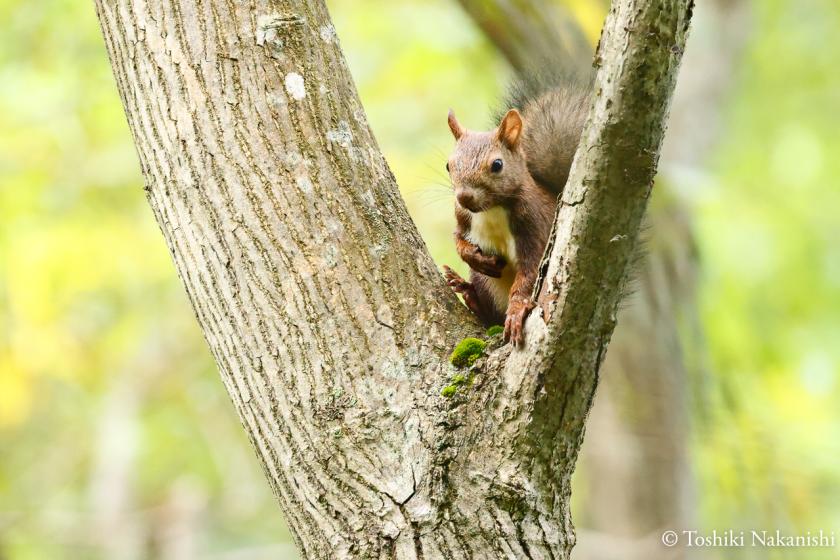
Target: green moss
449,391
467,352
459,379
495,329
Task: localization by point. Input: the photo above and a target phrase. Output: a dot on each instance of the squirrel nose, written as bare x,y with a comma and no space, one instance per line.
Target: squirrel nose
467,200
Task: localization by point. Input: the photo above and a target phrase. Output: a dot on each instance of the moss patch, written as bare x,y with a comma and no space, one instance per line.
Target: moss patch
467,352
449,391
495,329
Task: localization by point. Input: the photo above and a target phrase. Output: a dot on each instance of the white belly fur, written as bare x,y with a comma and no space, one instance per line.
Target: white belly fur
490,230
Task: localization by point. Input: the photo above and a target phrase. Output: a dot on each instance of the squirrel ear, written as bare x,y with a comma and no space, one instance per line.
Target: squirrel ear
510,129
454,125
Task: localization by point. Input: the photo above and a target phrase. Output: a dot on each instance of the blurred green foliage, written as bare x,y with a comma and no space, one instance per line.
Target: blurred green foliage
116,436
768,213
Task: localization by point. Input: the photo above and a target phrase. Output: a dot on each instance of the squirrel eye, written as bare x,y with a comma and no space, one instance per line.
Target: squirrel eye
496,166
447,167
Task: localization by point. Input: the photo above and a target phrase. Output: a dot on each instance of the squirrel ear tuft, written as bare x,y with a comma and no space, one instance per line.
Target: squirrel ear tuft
455,126
510,129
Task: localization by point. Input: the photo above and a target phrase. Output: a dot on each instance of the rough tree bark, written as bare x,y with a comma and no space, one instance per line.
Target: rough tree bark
326,316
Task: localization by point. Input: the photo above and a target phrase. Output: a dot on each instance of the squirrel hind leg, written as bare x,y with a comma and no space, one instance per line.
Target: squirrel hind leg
490,314
477,296
466,289
454,281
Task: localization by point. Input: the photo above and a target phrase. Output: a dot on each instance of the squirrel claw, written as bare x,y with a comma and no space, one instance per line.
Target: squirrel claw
517,312
461,286
454,281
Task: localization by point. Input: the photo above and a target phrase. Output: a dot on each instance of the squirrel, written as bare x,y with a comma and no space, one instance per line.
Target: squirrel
506,184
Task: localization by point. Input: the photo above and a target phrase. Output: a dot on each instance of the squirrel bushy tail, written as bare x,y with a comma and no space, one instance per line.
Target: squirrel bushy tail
554,108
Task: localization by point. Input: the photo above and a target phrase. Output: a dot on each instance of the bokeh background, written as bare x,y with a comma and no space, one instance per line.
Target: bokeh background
117,439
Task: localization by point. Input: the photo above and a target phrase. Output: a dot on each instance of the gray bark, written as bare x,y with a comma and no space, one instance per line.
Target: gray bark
326,316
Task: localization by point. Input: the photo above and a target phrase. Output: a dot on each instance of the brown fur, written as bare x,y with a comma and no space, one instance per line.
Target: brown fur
536,148
555,121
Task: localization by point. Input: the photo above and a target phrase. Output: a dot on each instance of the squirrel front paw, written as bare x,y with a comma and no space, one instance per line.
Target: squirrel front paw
489,265
517,311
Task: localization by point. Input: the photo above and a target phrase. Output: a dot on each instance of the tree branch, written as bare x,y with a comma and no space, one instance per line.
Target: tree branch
602,206
642,398
530,34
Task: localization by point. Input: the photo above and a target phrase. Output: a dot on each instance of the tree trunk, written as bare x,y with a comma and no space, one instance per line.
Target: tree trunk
329,322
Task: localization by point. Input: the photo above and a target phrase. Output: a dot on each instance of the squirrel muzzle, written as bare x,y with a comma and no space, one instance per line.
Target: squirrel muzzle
467,200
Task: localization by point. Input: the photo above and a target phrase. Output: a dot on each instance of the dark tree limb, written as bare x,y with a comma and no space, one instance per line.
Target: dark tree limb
530,34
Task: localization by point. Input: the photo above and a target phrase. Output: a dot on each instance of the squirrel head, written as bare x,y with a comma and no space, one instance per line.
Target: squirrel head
487,169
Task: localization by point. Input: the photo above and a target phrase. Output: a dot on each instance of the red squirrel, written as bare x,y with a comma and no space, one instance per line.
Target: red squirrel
506,184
